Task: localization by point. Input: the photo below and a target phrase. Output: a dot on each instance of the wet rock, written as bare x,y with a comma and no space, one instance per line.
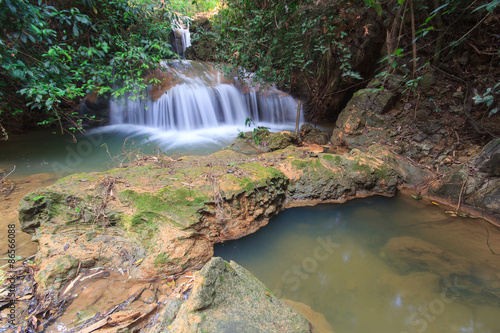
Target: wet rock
476,184
227,298
168,214
414,254
55,273
310,134
36,209
479,291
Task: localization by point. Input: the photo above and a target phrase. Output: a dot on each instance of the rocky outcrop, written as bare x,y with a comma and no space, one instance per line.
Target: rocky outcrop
361,122
468,180
162,217
227,298
473,186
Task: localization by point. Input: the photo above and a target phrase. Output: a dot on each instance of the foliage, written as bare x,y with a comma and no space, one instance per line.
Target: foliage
438,27
192,7
259,132
279,41
490,98
53,53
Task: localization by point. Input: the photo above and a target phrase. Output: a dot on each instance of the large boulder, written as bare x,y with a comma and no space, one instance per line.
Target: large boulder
361,122
227,298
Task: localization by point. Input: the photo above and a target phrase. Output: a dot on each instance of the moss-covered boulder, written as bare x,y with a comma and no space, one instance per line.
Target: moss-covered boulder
310,134
162,216
227,298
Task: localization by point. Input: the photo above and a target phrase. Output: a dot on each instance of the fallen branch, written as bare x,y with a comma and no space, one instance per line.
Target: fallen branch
7,175
462,189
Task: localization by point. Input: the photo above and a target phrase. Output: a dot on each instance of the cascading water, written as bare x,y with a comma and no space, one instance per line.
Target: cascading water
181,38
194,96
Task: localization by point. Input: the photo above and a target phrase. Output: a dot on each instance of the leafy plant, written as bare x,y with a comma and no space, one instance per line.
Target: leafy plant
258,133
53,53
489,98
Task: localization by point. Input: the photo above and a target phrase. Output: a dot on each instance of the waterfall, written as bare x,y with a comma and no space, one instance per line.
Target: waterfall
181,38
195,96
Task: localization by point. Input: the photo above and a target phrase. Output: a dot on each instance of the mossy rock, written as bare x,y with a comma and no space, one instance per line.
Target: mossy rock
310,134
280,140
57,272
38,207
228,298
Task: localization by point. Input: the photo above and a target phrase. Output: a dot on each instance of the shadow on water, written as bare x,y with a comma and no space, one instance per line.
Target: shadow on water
379,265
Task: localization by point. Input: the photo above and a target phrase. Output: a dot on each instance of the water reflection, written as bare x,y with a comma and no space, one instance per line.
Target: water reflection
379,265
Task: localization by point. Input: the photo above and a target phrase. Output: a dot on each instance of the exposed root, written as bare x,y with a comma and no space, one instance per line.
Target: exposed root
218,200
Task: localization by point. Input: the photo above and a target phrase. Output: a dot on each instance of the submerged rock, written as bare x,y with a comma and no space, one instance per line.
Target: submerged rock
410,253
227,298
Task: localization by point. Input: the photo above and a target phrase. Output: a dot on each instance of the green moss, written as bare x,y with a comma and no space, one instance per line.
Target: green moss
142,201
144,218
363,168
308,164
162,259
335,159
247,184
381,172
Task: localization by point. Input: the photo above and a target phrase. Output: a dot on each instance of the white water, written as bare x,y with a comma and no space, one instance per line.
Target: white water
182,37
199,105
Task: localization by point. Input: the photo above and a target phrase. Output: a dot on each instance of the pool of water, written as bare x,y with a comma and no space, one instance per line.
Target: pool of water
102,148
380,265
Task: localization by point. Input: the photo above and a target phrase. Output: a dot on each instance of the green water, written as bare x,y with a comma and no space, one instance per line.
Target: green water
334,258
100,149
